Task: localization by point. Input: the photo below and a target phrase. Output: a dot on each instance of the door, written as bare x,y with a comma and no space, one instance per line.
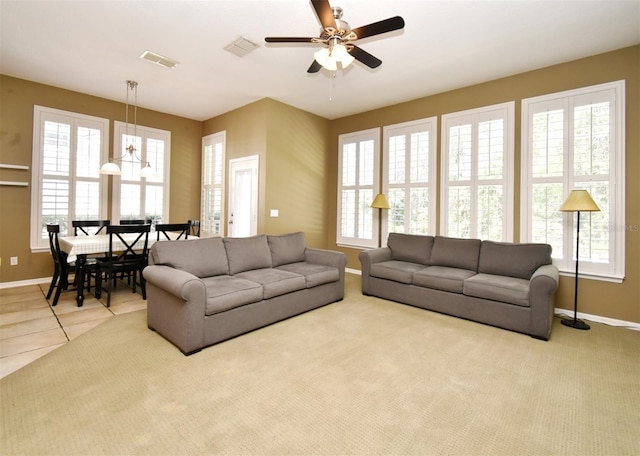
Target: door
243,196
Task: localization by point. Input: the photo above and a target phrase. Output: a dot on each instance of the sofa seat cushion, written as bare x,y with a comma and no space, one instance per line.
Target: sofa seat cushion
498,288
314,274
442,278
398,271
226,292
275,282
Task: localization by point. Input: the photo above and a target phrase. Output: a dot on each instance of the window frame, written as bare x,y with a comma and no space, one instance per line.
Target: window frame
506,111
429,125
42,114
370,216
145,133
213,140
615,271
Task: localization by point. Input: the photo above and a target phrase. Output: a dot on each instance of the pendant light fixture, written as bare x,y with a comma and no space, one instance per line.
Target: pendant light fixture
130,154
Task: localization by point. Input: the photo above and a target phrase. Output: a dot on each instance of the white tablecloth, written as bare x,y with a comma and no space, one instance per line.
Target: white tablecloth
88,245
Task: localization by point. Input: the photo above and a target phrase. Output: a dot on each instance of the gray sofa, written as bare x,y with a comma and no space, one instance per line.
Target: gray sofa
507,285
203,291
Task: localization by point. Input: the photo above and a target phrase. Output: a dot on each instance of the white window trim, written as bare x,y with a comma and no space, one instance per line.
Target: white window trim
40,115
119,129
617,226
430,125
211,140
460,117
370,134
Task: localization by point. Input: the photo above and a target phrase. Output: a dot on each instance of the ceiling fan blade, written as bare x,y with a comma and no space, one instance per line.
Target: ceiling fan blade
314,68
366,58
324,13
376,28
284,39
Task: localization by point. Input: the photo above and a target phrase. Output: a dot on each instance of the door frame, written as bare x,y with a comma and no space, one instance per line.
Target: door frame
251,162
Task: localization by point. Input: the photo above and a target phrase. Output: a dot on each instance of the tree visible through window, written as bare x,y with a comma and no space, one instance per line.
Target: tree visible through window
477,173
409,177
575,139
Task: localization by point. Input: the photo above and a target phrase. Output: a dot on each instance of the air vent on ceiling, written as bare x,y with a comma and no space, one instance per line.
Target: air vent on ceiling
241,47
158,59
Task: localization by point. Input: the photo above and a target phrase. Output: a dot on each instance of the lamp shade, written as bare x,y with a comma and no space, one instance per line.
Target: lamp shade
380,202
110,168
579,201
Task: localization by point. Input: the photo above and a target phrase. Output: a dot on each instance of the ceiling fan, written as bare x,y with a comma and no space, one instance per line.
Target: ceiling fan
338,36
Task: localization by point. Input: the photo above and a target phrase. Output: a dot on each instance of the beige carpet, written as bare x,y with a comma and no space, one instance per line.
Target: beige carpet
359,377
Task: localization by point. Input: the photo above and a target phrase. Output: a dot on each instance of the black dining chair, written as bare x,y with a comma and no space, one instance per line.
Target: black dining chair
89,227
135,222
195,228
60,279
130,255
180,230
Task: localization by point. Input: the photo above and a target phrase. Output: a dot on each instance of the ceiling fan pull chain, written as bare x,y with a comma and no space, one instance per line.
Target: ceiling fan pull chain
332,76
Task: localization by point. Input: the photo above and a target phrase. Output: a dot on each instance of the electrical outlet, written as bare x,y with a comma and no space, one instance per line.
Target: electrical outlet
13,261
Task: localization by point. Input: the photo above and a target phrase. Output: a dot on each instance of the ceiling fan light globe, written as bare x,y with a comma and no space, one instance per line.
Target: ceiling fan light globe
331,64
321,56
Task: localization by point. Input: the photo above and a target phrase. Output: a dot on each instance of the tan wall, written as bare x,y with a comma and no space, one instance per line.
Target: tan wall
619,301
292,145
298,156
17,99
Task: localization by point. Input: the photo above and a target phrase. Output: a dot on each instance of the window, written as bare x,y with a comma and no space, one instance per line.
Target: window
136,197
66,185
477,173
409,177
575,139
213,159
358,183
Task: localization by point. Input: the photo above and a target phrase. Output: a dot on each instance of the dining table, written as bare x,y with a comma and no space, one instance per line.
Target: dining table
78,248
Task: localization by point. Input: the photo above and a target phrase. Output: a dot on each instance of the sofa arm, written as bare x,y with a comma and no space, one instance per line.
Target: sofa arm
369,257
331,258
542,287
176,306
175,281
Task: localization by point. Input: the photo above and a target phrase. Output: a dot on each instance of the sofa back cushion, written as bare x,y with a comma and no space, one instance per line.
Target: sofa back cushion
200,257
410,247
513,260
286,248
246,254
455,253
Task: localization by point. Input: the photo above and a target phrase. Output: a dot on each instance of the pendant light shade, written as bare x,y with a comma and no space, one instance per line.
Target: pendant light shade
130,153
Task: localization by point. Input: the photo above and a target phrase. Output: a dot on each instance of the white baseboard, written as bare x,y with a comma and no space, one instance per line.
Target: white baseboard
598,319
23,283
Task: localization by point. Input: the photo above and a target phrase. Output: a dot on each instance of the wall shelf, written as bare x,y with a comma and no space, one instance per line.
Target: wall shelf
14,183
5,166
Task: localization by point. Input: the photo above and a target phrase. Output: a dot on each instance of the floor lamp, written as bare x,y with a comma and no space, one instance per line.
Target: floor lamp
578,201
380,202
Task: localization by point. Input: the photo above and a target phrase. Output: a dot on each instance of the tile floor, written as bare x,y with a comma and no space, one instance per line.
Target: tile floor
31,328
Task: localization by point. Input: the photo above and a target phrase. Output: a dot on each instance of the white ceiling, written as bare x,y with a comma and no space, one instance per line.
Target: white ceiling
94,46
